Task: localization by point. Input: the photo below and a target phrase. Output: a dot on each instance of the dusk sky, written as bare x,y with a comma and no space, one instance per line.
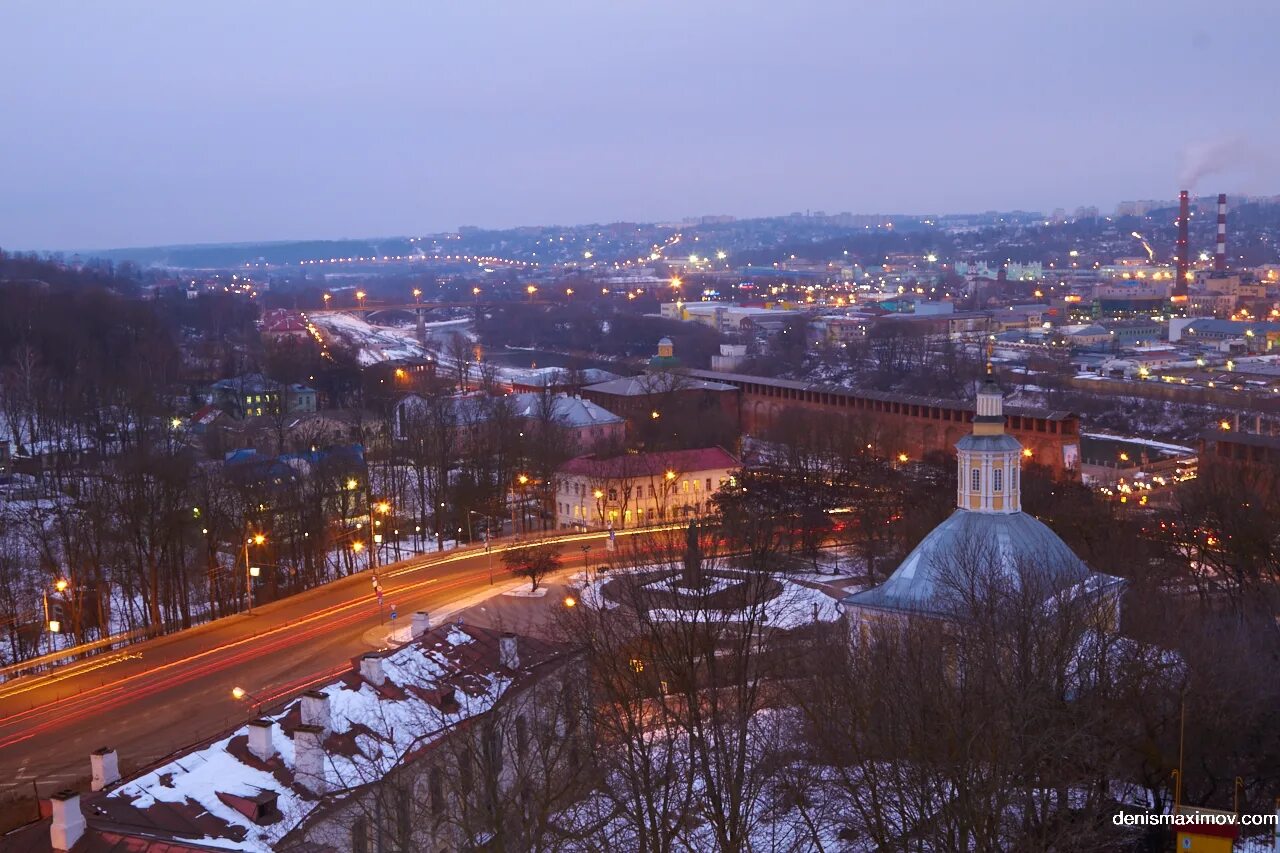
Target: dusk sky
144,123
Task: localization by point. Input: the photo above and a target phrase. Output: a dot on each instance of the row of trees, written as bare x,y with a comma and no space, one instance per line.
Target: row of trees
122,504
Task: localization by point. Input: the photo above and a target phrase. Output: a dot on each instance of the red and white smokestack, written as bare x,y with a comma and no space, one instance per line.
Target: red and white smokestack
1220,251
1183,260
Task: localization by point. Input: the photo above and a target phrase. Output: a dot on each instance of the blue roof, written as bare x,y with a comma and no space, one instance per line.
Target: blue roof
970,546
1229,327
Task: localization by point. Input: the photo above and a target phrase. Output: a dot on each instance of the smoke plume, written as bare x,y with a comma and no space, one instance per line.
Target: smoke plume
1229,154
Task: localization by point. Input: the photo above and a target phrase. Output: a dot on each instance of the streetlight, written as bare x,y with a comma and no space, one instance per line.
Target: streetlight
382,508
417,294
240,694
522,479
54,625
327,297
251,572
360,295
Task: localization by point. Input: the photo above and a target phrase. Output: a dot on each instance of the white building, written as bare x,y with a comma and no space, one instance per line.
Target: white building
638,489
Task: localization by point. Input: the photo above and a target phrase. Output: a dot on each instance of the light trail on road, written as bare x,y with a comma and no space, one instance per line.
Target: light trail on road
60,711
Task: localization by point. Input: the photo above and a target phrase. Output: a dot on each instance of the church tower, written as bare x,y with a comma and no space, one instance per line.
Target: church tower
989,460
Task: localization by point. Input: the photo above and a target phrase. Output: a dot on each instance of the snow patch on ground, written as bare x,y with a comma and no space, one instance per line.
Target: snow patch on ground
673,584
540,592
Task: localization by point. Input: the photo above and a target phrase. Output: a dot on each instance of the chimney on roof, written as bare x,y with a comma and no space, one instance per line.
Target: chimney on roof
104,766
508,652
261,742
315,710
421,624
68,820
308,759
371,669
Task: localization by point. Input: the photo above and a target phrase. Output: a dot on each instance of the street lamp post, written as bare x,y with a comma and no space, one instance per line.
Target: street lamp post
250,572
240,694
523,480
54,626
375,536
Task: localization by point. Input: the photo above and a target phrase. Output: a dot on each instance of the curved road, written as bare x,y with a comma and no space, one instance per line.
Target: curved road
155,697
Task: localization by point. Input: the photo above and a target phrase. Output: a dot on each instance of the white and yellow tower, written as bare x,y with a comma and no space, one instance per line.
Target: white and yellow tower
989,459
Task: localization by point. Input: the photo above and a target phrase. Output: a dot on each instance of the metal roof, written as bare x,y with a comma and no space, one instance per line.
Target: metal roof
999,443
932,577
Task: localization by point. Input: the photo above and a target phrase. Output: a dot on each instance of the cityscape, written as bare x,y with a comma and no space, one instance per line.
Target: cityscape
941,515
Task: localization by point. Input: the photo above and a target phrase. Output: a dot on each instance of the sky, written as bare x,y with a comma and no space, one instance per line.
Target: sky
152,122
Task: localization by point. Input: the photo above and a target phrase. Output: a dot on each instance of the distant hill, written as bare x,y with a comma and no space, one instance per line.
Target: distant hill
230,255
55,273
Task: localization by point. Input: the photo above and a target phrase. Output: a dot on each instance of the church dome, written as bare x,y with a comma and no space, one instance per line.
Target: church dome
988,539
1008,546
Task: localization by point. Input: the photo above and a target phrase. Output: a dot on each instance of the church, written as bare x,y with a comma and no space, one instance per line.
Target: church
987,540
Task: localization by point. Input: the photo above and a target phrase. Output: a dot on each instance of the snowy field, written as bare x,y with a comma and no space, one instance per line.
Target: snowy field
372,344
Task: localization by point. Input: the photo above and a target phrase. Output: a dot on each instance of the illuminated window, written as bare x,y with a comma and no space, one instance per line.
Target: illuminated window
975,479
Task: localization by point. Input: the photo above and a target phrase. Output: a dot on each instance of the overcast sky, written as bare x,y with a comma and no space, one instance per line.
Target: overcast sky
141,123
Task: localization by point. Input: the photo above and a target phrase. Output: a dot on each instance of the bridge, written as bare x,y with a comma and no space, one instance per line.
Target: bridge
905,423
376,307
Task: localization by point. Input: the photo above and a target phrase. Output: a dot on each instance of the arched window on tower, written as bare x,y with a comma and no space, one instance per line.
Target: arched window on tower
975,480
997,479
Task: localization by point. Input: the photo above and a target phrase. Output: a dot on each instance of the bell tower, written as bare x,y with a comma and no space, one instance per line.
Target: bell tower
989,460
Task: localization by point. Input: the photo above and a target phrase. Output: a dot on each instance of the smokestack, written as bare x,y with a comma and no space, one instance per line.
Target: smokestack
1220,252
1182,258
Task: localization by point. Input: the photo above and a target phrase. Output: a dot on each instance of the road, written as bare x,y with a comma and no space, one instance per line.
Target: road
158,696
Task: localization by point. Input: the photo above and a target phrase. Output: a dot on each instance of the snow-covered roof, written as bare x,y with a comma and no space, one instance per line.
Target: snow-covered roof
657,383
206,796
569,411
